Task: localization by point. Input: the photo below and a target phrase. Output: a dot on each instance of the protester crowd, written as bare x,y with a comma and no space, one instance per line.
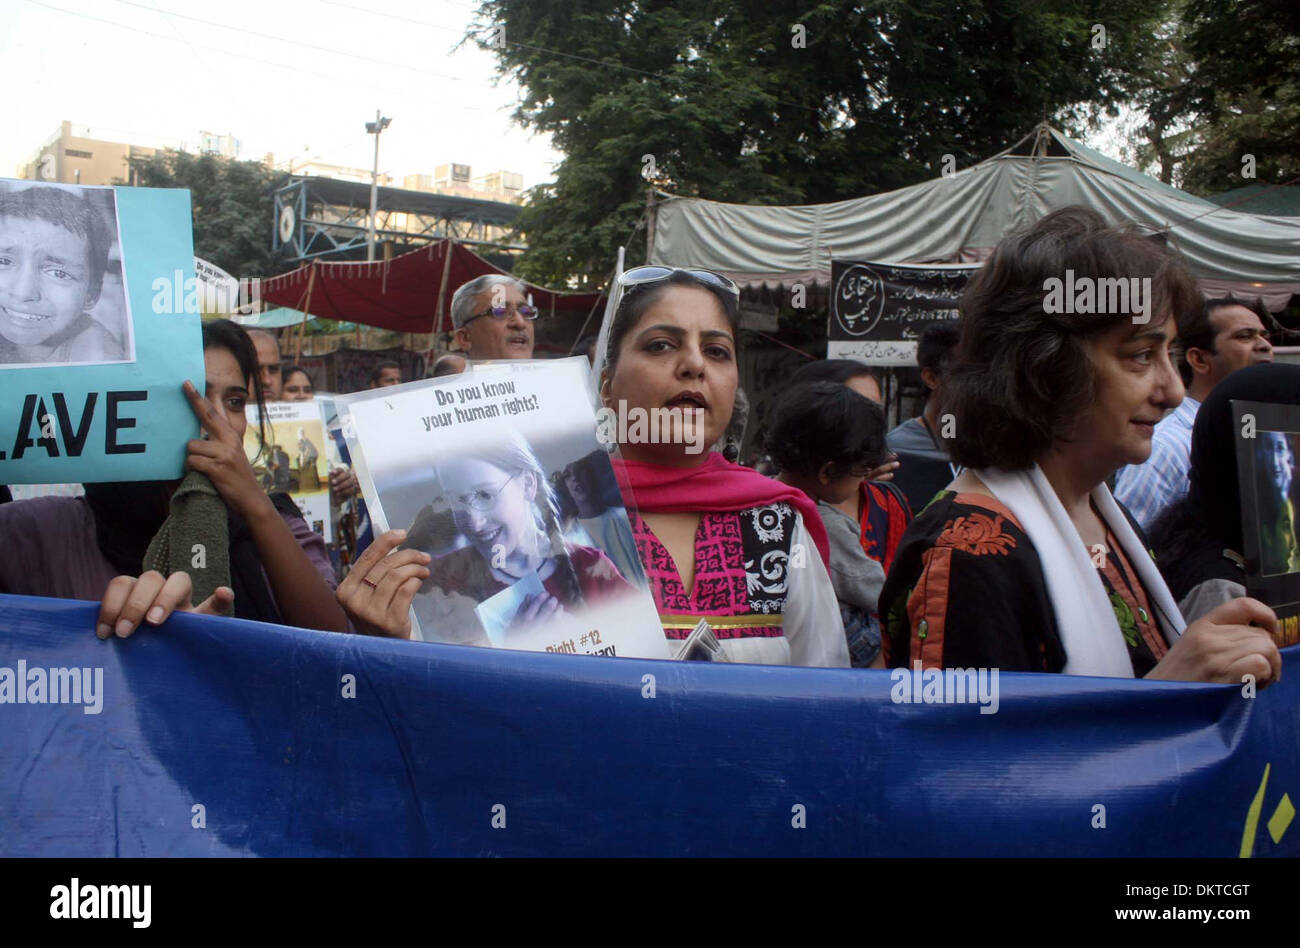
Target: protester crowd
982,533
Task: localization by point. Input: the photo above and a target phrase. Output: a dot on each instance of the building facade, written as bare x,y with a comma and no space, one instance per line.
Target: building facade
71,156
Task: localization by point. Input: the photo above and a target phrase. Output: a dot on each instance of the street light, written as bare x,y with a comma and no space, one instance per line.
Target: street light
374,128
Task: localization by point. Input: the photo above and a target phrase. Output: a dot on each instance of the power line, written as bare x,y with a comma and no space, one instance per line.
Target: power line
184,39
541,49
394,16
266,62
312,46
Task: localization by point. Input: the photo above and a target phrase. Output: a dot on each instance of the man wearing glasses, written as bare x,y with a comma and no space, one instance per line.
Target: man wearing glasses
493,319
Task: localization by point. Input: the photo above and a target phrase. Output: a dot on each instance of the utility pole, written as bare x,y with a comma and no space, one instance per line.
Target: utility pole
374,128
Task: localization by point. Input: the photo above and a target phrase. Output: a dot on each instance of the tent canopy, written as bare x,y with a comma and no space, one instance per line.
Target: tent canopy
276,318
1273,200
409,293
961,217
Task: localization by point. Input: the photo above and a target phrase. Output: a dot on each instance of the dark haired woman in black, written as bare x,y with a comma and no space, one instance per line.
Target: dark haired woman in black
880,508
1027,563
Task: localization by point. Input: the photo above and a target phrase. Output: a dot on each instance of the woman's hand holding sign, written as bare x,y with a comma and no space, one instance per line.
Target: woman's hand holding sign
221,457
300,591
151,598
1231,642
379,588
343,485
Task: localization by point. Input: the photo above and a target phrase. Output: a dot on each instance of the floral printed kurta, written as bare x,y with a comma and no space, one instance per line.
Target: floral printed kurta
966,591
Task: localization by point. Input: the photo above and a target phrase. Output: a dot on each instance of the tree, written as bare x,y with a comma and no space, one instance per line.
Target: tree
1220,100
1246,92
786,102
231,205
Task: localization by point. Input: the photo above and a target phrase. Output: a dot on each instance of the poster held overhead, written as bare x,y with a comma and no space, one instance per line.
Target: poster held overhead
97,333
474,467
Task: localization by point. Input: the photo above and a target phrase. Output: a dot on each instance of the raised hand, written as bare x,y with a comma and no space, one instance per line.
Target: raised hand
221,457
343,484
886,471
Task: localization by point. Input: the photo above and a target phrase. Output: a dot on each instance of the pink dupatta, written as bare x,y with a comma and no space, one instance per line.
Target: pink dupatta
715,485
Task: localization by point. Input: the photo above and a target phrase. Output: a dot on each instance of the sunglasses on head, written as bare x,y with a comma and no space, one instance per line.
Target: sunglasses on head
639,276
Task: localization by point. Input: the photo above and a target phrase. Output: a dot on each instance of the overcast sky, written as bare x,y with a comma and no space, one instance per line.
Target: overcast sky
148,72
299,78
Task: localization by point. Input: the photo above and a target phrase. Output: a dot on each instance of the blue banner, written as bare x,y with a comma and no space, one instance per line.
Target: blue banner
216,736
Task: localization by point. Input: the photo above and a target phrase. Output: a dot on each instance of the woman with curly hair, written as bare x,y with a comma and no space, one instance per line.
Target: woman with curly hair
1026,562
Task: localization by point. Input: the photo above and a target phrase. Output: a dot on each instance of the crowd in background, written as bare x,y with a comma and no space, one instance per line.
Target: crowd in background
1011,524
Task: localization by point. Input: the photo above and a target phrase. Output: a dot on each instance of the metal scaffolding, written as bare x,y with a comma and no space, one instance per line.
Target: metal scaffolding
326,217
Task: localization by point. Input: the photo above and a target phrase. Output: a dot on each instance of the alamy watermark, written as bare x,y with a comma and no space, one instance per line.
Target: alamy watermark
636,425
177,294
1105,296
23,685
946,686
75,900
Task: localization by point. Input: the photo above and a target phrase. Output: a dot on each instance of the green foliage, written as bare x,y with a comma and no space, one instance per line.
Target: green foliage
231,204
1247,82
1225,83
732,109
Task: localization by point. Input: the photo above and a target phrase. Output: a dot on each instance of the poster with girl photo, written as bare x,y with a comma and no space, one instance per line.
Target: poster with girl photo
63,298
499,477
1268,447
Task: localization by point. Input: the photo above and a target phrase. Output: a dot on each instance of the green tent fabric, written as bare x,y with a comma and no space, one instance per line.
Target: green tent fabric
283,316
960,217
1271,200
276,318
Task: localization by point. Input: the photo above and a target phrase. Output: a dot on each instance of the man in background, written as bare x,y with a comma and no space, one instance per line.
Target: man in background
449,363
925,468
493,319
587,346
385,374
1226,335
268,362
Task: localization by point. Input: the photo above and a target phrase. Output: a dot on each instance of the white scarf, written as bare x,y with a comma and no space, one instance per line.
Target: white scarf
1090,633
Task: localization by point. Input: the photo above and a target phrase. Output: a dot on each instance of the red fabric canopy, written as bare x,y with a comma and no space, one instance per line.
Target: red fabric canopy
401,294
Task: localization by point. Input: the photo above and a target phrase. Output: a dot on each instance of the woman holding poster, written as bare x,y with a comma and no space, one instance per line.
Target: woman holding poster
254,552
1200,542
719,541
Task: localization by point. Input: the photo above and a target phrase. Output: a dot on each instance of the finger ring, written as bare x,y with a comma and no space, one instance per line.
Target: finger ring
370,584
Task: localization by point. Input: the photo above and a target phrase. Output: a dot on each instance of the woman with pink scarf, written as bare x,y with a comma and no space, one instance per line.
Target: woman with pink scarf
718,541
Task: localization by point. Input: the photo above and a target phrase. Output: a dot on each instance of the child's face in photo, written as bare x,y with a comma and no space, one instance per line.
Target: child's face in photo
44,280
492,508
